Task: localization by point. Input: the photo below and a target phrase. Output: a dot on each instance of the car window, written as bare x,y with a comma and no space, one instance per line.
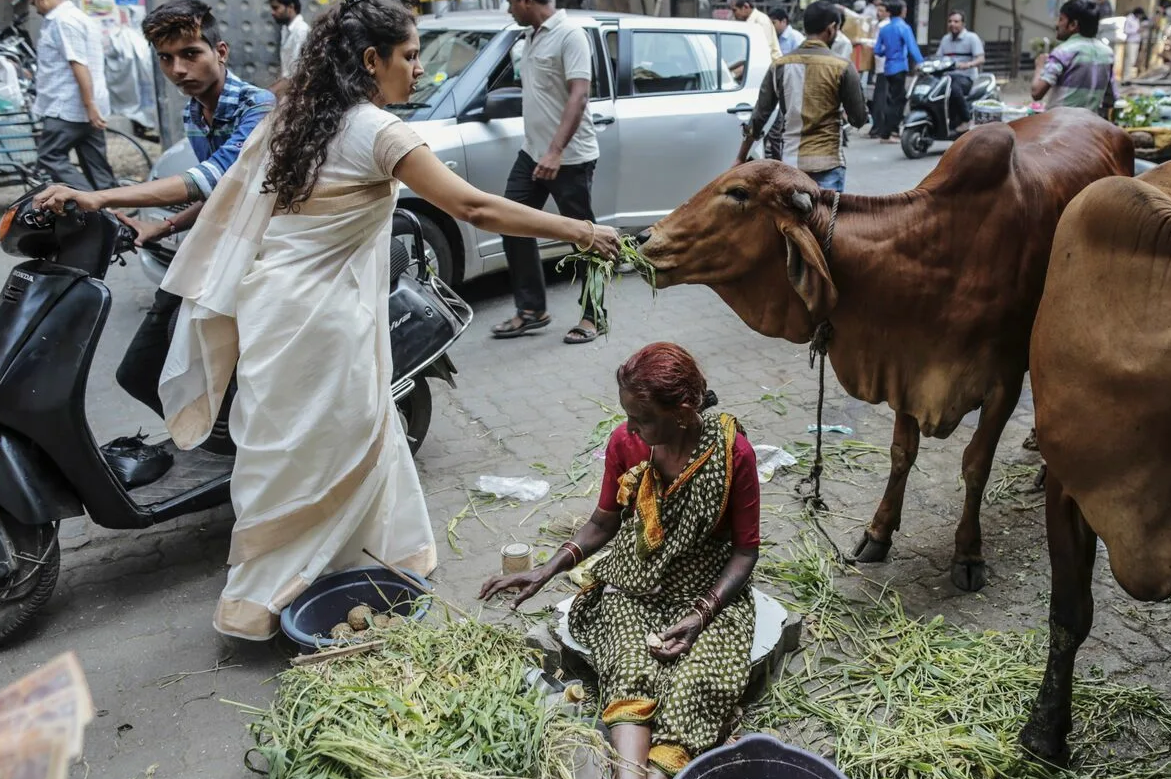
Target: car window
507,74
444,54
734,55
666,62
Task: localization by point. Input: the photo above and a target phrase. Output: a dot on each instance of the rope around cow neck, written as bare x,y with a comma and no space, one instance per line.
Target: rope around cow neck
818,347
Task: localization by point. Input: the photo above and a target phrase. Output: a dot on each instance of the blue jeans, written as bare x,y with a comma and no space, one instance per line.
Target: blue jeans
834,178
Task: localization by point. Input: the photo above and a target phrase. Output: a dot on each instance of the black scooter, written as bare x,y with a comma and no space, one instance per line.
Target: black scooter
928,120
53,309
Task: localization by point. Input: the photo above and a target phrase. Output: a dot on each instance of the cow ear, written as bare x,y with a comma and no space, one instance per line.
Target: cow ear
809,274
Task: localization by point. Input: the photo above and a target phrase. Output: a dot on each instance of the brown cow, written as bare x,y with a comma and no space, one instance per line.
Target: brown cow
1101,370
931,292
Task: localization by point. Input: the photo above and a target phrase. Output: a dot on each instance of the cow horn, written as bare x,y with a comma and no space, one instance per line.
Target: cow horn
802,202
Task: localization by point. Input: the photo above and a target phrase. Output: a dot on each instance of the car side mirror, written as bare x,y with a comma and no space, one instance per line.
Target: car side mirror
503,103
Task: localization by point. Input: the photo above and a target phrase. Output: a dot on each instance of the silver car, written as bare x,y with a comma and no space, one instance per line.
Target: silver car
668,98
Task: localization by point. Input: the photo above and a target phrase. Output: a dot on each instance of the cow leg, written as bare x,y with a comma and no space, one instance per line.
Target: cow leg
1072,546
904,448
967,566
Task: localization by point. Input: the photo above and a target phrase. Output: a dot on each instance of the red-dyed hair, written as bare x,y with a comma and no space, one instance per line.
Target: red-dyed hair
666,374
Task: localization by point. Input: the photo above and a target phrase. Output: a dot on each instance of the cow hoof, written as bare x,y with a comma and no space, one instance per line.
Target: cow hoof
1046,746
969,577
869,550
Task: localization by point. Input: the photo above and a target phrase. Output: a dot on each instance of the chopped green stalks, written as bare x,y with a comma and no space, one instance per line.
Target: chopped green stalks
600,272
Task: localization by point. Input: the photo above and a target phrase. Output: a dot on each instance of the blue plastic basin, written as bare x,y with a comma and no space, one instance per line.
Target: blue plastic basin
758,756
309,618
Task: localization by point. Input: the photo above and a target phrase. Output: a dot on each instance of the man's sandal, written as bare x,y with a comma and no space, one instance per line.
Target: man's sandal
528,321
582,335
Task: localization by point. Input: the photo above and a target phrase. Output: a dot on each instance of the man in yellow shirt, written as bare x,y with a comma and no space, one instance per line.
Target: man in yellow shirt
744,11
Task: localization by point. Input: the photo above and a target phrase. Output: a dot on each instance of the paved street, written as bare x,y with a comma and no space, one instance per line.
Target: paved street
137,606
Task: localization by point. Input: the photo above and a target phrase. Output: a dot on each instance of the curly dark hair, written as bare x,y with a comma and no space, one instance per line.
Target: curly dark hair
330,79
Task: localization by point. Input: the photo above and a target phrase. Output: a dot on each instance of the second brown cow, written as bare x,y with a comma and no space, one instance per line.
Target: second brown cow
931,293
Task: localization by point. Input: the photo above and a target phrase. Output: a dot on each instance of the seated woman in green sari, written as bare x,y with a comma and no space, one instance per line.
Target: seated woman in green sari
670,618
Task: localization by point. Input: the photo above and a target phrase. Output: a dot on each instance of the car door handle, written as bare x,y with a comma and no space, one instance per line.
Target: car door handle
599,119
451,164
742,108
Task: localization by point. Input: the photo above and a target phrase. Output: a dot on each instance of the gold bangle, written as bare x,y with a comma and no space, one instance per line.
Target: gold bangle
590,245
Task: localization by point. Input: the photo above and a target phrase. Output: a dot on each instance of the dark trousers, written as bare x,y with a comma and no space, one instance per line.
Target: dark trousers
896,100
877,104
142,364
58,138
957,104
571,192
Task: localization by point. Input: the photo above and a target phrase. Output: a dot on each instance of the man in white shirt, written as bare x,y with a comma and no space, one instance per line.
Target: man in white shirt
744,11
72,98
294,31
558,158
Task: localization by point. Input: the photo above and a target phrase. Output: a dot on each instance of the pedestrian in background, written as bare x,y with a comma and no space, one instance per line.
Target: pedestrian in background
878,99
72,98
811,87
787,36
745,11
294,31
897,44
558,159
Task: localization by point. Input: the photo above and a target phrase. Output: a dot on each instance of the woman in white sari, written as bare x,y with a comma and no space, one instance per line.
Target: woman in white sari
285,279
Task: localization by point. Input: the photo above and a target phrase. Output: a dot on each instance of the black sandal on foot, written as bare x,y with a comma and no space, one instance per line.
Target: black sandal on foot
528,321
582,335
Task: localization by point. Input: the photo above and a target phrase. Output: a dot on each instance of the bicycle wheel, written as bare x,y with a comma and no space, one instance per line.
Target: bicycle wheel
128,158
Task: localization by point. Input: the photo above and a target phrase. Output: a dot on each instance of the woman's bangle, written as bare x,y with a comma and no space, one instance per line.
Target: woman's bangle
593,237
575,552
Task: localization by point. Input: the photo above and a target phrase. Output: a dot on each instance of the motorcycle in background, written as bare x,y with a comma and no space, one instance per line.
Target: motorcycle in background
927,119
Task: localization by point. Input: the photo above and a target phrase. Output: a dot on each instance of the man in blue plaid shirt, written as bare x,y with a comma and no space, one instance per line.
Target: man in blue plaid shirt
221,113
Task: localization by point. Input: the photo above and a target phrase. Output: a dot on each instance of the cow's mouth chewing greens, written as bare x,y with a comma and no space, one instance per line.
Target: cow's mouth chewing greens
599,272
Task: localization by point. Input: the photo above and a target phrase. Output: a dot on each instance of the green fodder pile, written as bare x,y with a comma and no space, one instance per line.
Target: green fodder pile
915,698
439,700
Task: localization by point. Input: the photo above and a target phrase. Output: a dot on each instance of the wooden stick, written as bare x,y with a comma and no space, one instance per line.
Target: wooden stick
410,578
335,652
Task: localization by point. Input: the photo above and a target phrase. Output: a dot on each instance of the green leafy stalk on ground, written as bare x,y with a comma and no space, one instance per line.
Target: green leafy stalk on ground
897,697
441,699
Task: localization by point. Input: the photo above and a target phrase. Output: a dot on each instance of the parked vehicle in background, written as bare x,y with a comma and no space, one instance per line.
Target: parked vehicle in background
664,98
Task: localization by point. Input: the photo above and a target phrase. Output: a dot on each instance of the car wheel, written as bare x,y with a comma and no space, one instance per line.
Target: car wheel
437,249
414,412
914,144
38,561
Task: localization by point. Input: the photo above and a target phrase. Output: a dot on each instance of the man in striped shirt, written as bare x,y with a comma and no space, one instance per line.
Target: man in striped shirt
1079,72
221,113
810,87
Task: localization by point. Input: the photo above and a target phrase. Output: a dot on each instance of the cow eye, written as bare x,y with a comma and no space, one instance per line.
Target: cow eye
739,194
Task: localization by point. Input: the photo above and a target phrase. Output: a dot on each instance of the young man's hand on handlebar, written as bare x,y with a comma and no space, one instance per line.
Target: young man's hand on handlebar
54,198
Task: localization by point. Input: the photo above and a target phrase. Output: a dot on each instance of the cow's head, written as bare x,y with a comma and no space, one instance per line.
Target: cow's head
752,236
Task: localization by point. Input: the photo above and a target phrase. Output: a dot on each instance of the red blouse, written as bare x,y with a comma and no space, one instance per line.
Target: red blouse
627,450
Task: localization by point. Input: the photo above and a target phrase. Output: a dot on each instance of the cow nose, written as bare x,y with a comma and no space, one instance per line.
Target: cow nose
643,237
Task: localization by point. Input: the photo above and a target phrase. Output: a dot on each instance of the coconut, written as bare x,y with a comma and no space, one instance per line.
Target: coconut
360,617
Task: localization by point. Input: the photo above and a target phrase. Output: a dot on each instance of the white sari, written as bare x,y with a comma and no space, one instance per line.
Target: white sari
296,303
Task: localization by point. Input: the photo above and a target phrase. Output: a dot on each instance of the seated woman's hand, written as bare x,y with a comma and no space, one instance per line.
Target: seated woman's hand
527,584
678,639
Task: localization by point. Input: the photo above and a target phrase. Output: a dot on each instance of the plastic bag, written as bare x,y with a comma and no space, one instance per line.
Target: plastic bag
768,459
519,487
